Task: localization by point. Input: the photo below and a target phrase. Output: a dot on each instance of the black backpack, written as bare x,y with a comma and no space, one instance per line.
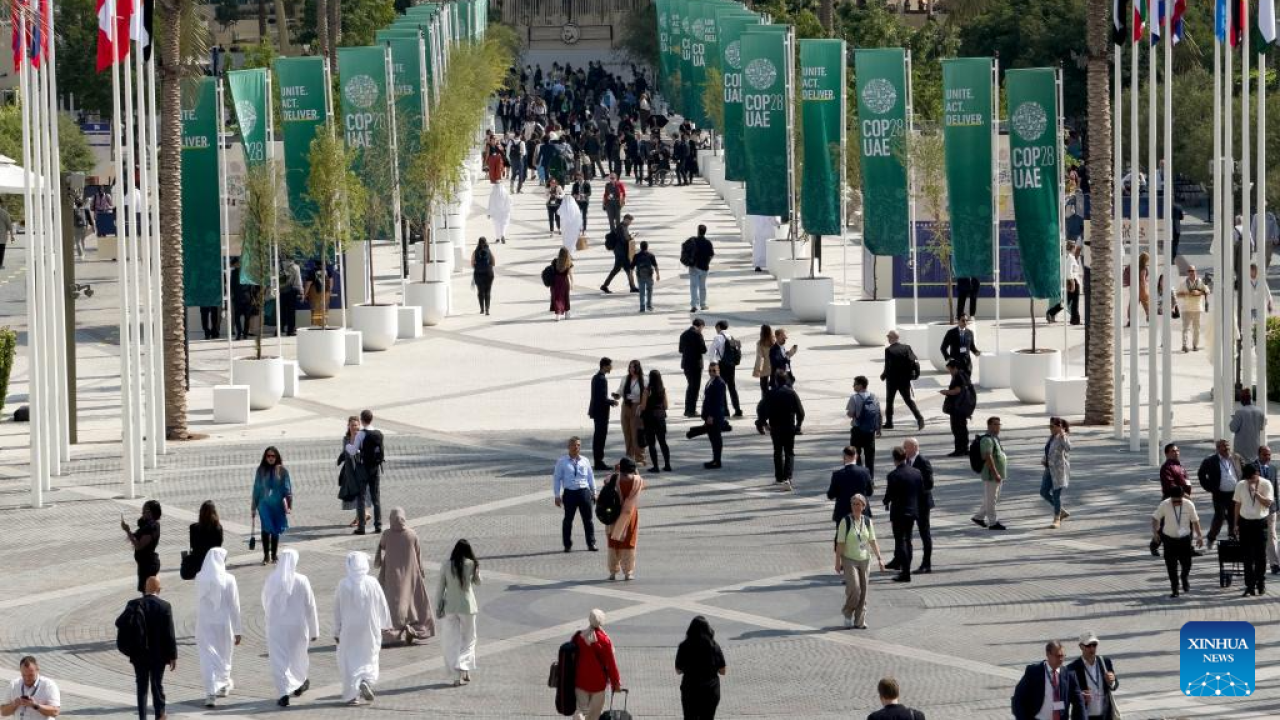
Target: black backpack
549,275
611,240
609,504
686,252
484,261
976,461
732,352
564,673
131,630
371,452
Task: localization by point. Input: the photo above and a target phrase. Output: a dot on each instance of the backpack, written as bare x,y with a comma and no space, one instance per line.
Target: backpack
131,630
371,453
732,352
609,503
976,461
483,260
686,252
564,673
966,402
611,240
868,420
549,275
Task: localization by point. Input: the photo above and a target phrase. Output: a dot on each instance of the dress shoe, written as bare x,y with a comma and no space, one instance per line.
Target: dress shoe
283,701
654,469
601,468
957,454
893,565
979,522
635,289
688,434
920,423
1275,569
737,413
1173,595
358,531
924,570
1248,593
593,548
1186,585
305,686
568,548
605,289
888,425
902,577
997,526
711,465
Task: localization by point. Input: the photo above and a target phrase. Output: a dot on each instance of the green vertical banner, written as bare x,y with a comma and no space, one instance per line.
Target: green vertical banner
664,45
304,108
1035,153
731,29
882,127
201,206
766,90
822,100
408,78
966,128
366,114
697,65
249,97
679,74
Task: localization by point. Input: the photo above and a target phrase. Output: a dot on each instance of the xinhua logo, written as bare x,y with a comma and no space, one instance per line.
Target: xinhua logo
1217,659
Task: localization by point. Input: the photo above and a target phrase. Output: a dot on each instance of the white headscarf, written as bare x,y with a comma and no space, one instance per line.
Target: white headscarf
213,578
280,584
570,223
354,585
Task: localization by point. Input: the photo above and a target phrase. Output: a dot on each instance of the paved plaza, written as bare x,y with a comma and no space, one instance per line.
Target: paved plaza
477,410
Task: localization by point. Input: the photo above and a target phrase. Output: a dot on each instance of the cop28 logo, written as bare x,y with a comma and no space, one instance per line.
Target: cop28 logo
879,96
761,73
247,116
733,55
1029,121
1217,659
362,91
696,28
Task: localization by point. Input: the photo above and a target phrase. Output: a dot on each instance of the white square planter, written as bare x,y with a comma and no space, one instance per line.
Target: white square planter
784,289
1064,397
917,336
993,369
355,347
839,317
410,319
292,388
230,404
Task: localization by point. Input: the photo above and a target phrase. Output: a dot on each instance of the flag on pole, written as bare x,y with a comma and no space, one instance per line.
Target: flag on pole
122,11
1119,23
1179,9
140,28
1140,11
1264,30
1220,20
35,44
1237,11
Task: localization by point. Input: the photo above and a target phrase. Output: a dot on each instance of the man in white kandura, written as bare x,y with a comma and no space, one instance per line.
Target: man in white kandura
360,614
217,624
290,607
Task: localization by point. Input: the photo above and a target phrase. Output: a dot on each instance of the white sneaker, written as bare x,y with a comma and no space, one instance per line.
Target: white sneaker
786,486
366,692
225,690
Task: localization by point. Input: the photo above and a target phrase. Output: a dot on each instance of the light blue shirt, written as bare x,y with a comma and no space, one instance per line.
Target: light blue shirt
573,474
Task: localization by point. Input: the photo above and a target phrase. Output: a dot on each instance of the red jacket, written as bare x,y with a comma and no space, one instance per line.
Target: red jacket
622,194
495,167
596,666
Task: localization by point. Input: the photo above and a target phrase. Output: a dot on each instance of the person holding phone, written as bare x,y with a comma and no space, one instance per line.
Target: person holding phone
272,501
144,541
30,695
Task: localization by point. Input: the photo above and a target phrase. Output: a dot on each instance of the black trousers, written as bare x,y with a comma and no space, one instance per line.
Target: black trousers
960,431
583,205
967,289
1223,509
598,437
1177,555
866,444
764,386
902,549
149,676
693,376
2,249
287,312
271,545
553,220
926,538
892,388
484,289
620,265
615,165
728,373
374,481
240,320
714,433
211,321
654,433
615,216
784,452
700,702
580,502
1253,544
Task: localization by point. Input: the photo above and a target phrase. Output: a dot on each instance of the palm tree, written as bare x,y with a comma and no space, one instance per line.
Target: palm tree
262,19
335,31
1098,409
826,14
322,27
183,41
282,28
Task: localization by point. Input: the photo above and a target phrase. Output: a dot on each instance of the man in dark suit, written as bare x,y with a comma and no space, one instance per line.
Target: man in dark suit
598,411
782,412
161,650
780,357
850,480
692,348
900,368
958,345
887,689
1047,690
621,237
1096,677
902,491
918,461
1218,475
715,407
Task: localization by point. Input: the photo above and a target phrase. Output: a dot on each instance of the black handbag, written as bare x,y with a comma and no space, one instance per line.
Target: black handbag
188,569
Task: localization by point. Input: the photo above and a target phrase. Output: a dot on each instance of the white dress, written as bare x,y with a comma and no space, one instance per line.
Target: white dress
360,614
500,210
290,609
570,223
217,621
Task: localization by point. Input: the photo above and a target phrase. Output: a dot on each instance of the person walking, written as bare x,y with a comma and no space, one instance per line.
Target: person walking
855,541
290,290
456,592
700,663
517,156
292,624
715,410
1096,677
360,615
352,484
1249,423
1057,468
614,197
901,368
272,501
483,261
888,691
925,468
903,490
1047,690
573,484
958,345
217,624
203,535
780,358
863,409
598,410
959,403
1218,475
371,457
727,351
630,391
645,266
1252,500
555,196
144,541
561,283
1191,298
1268,474
1172,474
760,370
702,251
1172,525
692,347
782,414
994,465
850,480
581,193
597,668
654,405
403,581
156,649
619,241
624,531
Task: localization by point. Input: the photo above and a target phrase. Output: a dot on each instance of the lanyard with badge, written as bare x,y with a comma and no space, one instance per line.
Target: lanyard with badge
1177,519
860,536
1058,705
31,695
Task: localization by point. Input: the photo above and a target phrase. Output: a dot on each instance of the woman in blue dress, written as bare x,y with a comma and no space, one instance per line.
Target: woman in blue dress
272,501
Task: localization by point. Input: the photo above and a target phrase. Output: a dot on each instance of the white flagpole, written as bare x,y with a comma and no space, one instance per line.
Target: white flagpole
131,472
225,233
157,287
44,329
396,217
1246,232
1117,241
1227,271
1264,296
60,290
1166,267
141,439
1153,241
147,270
1135,421
36,400
1215,354
911,199
274,285
844,178
995,188
1062,227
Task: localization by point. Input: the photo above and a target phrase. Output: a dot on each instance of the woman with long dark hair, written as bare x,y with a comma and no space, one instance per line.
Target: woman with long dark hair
482,263
456,606
1057,468
144,541
653,417
700,662
351,479
761,368
561,283
272,501
631,391
205,534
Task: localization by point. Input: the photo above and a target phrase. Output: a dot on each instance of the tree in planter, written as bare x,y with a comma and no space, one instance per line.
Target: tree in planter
267,231
339,198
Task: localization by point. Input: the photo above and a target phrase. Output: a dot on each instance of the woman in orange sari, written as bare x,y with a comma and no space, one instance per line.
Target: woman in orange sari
623,533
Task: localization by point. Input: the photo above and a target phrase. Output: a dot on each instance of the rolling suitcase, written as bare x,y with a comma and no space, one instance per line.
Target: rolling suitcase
1230,561
622,714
